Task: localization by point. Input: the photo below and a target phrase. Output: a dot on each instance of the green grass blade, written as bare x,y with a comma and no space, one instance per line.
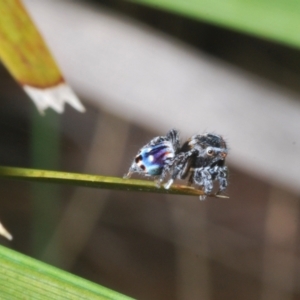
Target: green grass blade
96,181
277,20
23,277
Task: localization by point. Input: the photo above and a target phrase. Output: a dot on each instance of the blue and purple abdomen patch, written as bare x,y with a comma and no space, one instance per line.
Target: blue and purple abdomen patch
152,159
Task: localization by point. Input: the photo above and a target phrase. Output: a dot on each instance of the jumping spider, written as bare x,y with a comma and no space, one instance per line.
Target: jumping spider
201,160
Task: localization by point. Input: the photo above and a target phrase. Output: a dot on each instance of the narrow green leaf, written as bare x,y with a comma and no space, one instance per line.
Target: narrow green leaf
23,277
276,20
96,181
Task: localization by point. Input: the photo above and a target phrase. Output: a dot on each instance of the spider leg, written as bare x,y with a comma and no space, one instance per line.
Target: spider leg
191,179
128,175
164,172
179,166
203,178
131,170
168,184
173,136
168,167
221,176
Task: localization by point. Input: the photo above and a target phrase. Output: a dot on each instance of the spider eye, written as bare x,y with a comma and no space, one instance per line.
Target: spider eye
210,151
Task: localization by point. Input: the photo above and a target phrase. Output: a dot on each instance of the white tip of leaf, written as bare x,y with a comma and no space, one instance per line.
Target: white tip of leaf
5,233
54,97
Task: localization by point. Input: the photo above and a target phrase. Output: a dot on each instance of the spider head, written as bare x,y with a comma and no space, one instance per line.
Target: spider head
210,149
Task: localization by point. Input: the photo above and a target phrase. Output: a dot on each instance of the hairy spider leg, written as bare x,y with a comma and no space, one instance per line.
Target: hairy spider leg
220,173
181,166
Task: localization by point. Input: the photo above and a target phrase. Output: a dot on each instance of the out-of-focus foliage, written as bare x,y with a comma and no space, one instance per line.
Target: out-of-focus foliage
276,20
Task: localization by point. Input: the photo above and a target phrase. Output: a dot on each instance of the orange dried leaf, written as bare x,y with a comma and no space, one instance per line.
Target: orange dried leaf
26,56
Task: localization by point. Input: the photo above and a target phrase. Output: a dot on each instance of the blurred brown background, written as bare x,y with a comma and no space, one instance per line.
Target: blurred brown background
139,72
